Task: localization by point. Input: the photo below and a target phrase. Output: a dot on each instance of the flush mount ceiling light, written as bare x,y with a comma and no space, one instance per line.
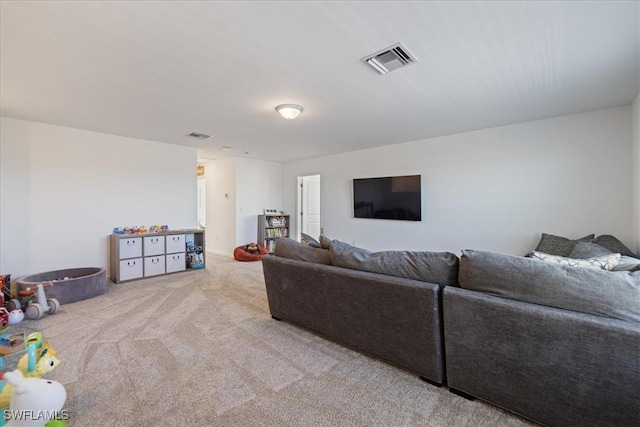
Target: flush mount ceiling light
289,111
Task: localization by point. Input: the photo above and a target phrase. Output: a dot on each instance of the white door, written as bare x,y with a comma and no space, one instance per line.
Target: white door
310,205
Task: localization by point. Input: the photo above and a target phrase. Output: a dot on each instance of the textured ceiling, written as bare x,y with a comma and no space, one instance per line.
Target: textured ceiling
159,70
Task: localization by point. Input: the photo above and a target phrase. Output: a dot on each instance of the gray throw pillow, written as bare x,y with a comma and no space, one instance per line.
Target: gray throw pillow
613,244
305,239
556,245
289,248
587,250
432,267
587,290
325,243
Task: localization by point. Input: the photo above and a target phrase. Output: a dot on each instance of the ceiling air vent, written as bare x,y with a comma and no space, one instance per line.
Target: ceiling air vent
199,135
391,58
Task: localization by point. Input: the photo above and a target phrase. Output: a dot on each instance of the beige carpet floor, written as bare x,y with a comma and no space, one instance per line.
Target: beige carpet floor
200,349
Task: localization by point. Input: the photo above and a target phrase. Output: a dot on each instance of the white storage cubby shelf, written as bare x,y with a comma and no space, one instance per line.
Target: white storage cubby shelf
137,256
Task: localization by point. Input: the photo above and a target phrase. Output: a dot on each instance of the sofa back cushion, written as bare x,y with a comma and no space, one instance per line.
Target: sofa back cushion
592,291
432,267
289,248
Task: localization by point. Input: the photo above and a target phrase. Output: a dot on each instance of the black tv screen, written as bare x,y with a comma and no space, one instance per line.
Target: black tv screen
393,197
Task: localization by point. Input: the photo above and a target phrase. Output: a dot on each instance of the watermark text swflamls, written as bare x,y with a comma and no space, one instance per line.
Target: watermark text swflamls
31,415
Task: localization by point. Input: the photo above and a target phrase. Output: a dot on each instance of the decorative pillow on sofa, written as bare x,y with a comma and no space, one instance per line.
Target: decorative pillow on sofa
325,243
605,262
556,245
305,239
432,267
614,245
587,290
587,250
289,248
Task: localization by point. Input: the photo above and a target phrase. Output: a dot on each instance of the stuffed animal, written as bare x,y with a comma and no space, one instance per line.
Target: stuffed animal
252,248
34,401
46,361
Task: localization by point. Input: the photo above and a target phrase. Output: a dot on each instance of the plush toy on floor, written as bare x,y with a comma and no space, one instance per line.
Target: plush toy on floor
45,362
250,252
39,360
38,401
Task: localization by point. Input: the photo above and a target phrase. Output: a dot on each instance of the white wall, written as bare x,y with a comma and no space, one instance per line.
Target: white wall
63,191
636,173
494,189
221,205
238,189
259,186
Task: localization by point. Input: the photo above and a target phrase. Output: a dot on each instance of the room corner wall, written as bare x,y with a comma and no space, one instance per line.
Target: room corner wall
238,189
221,205
635,194
63,191
259,186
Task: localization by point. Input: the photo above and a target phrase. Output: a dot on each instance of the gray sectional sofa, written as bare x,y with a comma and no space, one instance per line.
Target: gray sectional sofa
557,344
396,319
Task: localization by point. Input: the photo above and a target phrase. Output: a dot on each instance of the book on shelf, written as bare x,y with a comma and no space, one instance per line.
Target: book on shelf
276,221
276,232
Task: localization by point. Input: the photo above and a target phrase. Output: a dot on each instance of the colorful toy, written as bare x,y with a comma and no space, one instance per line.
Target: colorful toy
38,401
16,316
4,317
46,363
27,302
40,358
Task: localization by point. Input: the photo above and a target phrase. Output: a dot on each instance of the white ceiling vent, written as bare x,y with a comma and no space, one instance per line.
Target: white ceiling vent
391,58
199,135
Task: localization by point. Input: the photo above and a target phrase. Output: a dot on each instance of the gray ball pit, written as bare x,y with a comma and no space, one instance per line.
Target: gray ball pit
81,283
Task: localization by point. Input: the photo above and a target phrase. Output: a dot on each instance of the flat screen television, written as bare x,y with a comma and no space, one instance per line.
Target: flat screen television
393,197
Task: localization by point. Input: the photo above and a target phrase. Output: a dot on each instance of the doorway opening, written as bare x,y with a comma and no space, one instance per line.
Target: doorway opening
309,206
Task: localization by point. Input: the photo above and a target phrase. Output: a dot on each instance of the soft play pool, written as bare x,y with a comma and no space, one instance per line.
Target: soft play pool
70,285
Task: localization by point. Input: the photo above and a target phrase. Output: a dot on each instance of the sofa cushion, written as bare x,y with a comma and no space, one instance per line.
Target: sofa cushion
432,267
604,262
587,290
587,250
556,245
289,248
613,244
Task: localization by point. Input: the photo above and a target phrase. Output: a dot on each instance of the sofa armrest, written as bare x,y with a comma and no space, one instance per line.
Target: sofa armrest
554,366
397,320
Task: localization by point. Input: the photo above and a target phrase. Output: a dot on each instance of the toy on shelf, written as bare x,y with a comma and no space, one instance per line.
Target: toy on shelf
195,260
130,230
158,229
37,402
34,302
